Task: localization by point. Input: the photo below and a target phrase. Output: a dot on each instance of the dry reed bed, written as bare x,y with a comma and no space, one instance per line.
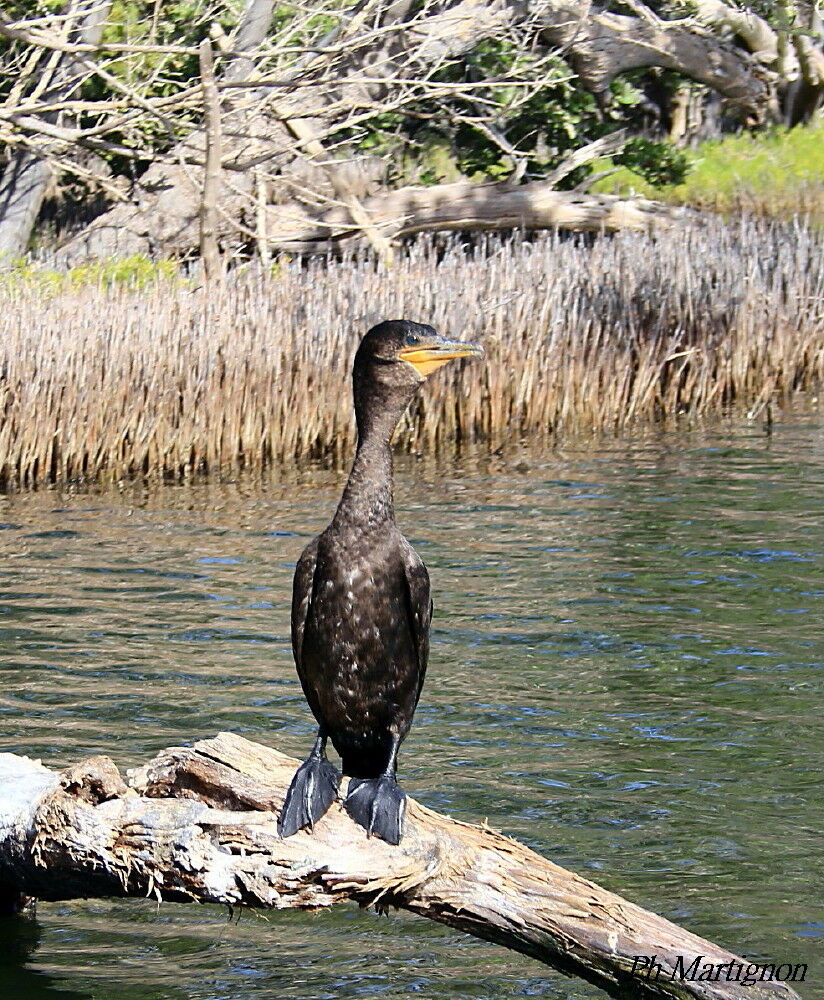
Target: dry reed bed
580,333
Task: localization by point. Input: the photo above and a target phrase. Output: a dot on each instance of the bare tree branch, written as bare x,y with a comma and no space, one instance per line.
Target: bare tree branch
209,253
296,100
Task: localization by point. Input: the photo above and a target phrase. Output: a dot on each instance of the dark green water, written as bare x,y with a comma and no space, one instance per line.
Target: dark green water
626,673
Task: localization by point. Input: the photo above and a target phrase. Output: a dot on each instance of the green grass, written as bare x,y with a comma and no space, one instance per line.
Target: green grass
779,173
132,272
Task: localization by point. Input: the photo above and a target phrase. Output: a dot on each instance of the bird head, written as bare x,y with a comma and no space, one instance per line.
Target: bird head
403,353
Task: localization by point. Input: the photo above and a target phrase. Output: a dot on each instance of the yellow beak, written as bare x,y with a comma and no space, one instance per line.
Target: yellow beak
426,359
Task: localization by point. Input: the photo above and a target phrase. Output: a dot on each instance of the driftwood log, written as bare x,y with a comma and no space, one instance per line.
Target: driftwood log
466,205
199,824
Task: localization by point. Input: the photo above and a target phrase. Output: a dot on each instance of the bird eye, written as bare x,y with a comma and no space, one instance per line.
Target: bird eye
411,339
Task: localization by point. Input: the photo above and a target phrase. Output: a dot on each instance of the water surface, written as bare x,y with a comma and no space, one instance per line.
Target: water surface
626,673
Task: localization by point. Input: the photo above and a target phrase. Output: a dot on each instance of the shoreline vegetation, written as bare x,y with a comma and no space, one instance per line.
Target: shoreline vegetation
110,382
778,174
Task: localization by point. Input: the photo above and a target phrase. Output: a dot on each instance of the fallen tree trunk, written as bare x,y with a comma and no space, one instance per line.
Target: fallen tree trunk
200,824
464,205
461,205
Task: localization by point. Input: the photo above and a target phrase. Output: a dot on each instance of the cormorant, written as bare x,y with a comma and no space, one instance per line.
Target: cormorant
360,603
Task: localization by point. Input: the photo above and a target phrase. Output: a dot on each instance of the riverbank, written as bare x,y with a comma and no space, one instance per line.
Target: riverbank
170,380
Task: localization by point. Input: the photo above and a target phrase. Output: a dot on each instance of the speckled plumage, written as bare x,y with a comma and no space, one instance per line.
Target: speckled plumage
361,607
361,614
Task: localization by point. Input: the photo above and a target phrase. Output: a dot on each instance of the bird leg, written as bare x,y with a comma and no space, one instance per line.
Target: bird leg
379,804
313,789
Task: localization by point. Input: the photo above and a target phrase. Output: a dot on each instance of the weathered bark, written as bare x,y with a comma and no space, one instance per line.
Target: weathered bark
806,34
794,54
464,205
601,46
200,824
791,54
759,37
22,189
252,28
27,176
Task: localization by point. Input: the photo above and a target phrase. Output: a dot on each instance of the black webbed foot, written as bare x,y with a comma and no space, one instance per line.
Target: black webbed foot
313,789
378,805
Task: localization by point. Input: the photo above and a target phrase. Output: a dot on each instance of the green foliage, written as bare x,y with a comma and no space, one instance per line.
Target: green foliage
544,122
779,173
541,126
456,135
520,106
136,271
658,163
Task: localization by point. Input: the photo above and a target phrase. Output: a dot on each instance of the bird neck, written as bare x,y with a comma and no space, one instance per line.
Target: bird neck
367,497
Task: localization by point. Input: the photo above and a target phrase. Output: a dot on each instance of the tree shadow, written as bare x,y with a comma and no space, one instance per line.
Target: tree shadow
21,938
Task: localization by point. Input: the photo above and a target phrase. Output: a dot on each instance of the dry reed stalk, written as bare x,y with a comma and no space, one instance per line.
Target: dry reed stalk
581,333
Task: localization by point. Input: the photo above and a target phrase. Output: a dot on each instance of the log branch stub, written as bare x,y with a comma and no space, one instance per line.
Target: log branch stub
200,823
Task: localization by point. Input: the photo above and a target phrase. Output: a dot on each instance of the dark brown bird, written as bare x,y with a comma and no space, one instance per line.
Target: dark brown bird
361,608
